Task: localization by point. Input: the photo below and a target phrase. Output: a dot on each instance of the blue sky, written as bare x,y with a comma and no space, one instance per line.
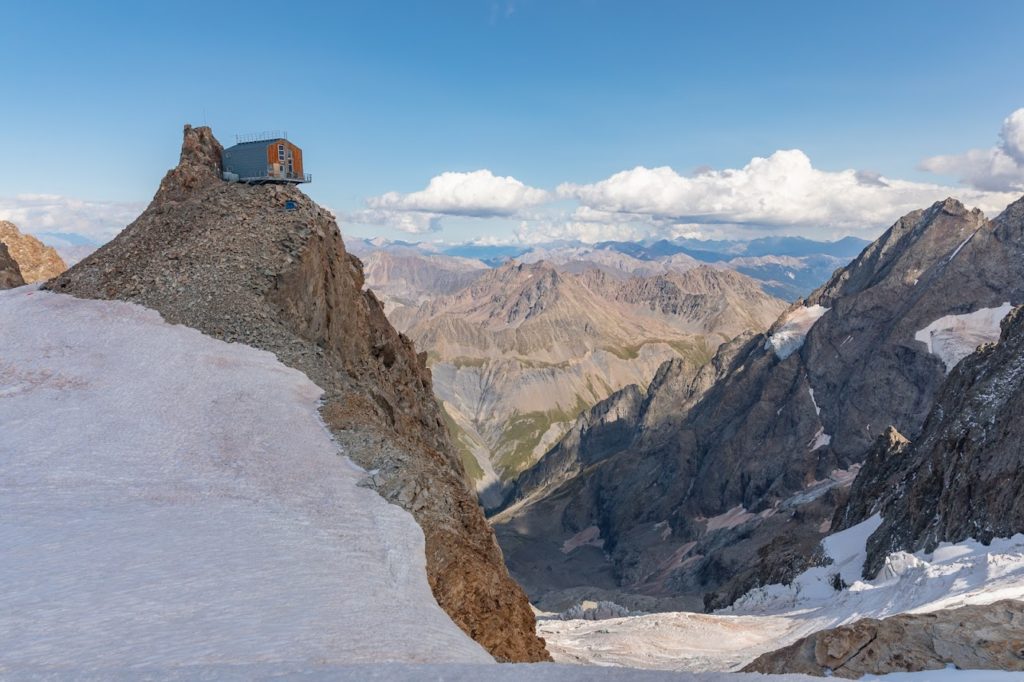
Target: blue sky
384,96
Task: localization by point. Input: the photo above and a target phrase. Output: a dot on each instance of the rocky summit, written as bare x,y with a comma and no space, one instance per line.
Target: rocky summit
737,487
265,266
36,261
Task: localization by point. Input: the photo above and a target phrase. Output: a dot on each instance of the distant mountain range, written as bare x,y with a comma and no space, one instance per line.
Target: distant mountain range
786,267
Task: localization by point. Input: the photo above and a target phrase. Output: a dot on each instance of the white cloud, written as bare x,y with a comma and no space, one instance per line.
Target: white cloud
999,168
782,192
589,232
97,221
478,194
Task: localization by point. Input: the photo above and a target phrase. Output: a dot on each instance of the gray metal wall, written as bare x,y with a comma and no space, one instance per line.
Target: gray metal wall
248,160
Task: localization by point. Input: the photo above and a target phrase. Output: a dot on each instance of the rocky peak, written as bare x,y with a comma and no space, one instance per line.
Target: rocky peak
906,253
200,165
36,261
224,258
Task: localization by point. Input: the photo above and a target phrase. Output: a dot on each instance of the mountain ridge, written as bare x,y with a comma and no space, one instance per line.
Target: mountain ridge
852,367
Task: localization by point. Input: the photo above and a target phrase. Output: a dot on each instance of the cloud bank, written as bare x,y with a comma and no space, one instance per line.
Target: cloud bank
95,221
781,191
998,169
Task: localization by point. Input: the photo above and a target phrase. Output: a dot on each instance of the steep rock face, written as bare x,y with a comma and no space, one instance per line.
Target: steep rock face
883,467
767,452
36,261
989,637
10,273
961,478
231,261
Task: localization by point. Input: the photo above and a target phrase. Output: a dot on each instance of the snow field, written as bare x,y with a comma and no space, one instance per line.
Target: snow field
171,500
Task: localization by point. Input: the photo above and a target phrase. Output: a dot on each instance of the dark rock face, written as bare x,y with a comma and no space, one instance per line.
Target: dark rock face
962,477
698,495
989,637
10,273
882,469
227,259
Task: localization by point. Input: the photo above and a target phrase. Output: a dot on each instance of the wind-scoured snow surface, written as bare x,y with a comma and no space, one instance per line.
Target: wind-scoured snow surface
788,338
954,337
769,618
167,499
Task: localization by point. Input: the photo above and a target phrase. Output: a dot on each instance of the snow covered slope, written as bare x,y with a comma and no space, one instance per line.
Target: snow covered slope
169,500
771,617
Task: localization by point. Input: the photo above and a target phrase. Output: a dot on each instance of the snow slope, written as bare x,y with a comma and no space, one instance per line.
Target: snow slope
771,617
168,500
954,337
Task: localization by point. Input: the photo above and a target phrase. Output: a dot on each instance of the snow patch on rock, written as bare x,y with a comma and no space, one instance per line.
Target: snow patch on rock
790,335
820,440
954,337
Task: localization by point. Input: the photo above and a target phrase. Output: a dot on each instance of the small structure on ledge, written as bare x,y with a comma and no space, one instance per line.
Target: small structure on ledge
264,158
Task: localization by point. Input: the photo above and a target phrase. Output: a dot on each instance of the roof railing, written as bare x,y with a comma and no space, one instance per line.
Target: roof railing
266,135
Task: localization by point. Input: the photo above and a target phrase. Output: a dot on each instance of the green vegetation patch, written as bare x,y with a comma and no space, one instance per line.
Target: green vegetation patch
463,445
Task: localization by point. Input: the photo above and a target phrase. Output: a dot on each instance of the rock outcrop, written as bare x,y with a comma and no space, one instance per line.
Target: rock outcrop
961,478
36,261
763,459
232,261
988,637
10,273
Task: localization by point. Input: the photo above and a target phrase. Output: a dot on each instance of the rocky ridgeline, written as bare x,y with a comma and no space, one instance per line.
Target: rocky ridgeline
988,637
10,273
230,260
36,261
737,488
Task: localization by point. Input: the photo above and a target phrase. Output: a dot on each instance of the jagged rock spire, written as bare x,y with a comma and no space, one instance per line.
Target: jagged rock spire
200,164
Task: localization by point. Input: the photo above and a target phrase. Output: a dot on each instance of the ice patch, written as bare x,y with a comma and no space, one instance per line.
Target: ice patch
821,439
817,410
791,334
962,245
954,337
